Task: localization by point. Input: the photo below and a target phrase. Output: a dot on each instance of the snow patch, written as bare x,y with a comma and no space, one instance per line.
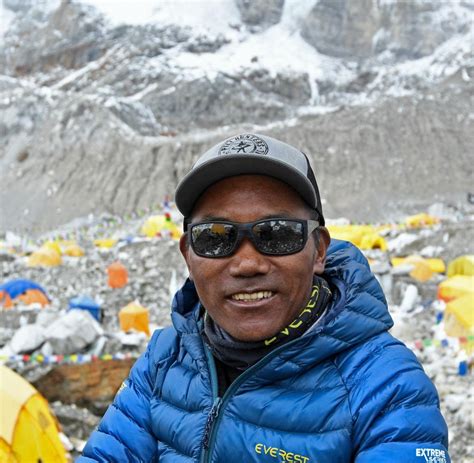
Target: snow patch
211,15
124,11
294,11
280,48
6,17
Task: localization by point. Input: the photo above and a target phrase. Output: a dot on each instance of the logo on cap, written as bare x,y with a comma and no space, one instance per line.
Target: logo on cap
244,144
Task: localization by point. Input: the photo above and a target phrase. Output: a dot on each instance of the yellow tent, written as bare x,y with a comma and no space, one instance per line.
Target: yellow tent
463,265
46,256
28,430
459,316
353,237
69,248
373,241
436,265
421,270
54,245
421,220
105,243
351,233
362,236
134,316
73,250
159,225
455,287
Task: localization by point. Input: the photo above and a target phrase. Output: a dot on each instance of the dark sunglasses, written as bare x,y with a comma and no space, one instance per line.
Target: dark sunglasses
275,237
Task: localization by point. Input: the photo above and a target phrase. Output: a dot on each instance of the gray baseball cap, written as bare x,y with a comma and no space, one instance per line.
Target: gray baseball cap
249,154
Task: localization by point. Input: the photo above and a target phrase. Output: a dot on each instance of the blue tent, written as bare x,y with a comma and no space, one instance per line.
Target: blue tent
86,303
15,288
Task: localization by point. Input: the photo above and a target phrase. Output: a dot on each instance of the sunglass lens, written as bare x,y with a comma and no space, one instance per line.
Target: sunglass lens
213,239
279,237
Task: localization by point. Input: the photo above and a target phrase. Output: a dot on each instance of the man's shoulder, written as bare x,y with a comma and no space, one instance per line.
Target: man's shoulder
367,355
163,343
388,390
383,367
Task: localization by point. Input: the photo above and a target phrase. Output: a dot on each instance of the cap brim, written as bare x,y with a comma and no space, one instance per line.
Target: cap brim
202,177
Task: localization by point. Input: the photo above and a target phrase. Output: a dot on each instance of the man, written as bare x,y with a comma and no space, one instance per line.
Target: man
279,349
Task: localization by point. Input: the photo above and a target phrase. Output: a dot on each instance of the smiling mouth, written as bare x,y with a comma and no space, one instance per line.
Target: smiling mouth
256,296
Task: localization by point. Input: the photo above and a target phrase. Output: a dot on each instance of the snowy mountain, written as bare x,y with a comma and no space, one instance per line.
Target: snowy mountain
104,104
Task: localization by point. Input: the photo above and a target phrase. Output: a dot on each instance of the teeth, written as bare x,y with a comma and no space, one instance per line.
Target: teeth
252,296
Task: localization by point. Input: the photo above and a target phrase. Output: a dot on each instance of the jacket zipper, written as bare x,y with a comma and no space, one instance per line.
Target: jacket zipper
215,416
210,421
215,406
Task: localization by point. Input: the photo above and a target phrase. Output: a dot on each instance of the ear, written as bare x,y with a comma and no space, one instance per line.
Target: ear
321,250
184,249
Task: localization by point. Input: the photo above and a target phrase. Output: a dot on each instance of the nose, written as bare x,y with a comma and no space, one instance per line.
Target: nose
247,261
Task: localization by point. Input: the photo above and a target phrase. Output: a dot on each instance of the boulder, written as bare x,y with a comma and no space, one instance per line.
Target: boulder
72,332
263,13
342,28
27,339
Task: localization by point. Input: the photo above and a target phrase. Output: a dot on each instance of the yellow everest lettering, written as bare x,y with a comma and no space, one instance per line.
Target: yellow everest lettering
280,455
296,324
312,302
269,341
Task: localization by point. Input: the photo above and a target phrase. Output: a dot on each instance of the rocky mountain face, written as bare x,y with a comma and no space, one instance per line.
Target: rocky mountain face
99,116
367,28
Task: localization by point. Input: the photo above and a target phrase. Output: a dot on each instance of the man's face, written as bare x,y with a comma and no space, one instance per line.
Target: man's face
287,280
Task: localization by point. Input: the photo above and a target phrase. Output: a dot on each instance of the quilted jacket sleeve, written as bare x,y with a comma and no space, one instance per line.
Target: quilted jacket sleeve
124,433
396,408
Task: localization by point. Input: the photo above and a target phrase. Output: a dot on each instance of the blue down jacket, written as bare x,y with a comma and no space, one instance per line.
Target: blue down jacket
347,391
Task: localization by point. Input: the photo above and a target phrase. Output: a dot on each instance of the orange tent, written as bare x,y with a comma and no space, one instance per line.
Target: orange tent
118,275
32,296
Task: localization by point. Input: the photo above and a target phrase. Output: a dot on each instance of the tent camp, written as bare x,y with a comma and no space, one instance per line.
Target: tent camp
28,430
160,226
